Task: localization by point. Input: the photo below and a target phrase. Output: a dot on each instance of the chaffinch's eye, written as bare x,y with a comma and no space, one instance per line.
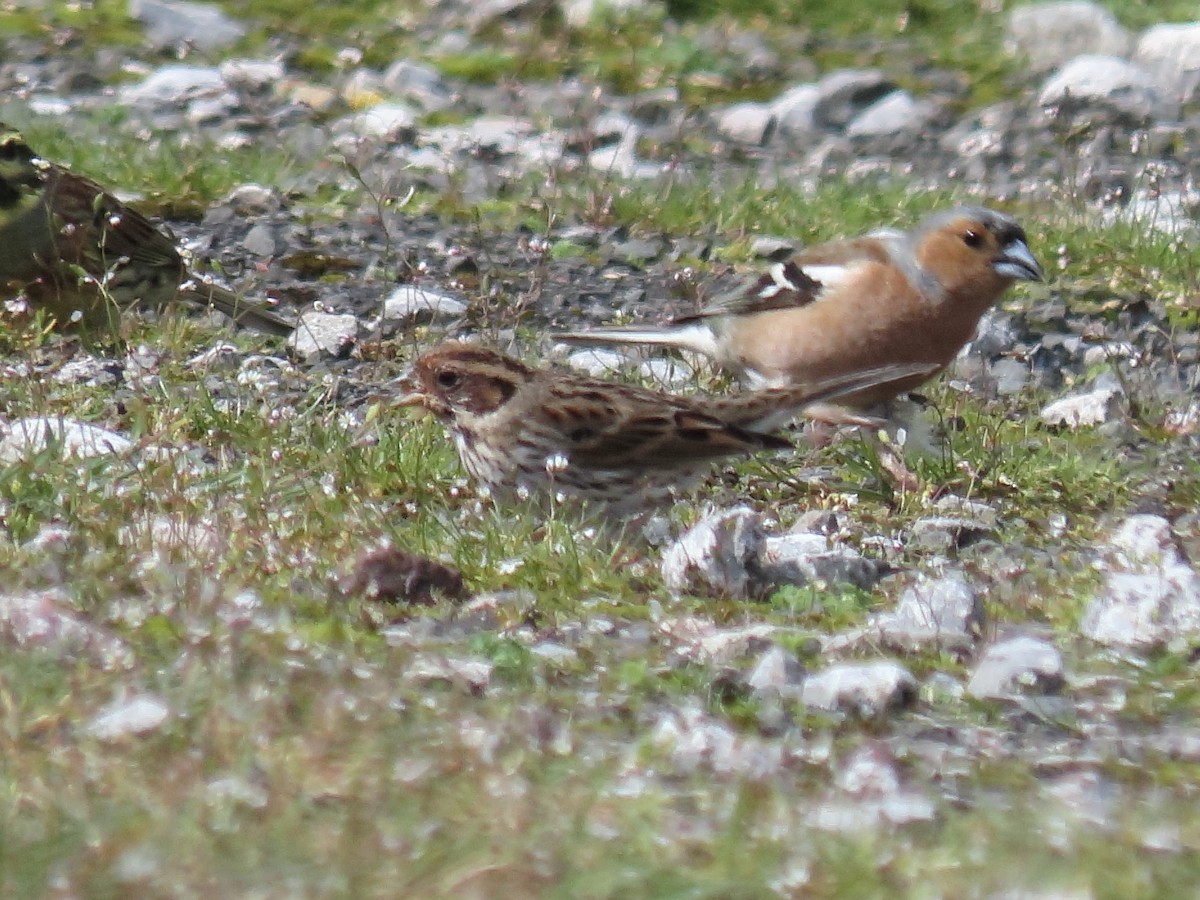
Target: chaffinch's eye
972,238
448,379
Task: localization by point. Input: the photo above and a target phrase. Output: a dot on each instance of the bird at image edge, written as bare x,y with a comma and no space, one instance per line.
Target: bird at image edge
69,246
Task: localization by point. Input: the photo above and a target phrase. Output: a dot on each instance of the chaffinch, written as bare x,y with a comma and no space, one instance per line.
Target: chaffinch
886,298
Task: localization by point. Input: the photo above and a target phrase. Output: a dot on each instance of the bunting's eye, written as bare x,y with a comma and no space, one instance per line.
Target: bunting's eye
972,238
447,379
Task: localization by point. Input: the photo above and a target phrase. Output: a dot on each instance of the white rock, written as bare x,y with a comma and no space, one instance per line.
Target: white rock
1049,34
320,334
1171,53
409,302
1150,596
795,111
746,123
667,373
866,689
46,620
173,86
1016,666
897,113
1169,212
1083,410
177,533
132,716
716,556
621,159
597,361
1145,610
473,675
1095,78
948,603
1144,541
383,120
78,440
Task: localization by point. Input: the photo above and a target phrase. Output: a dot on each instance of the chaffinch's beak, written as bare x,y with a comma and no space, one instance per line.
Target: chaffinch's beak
1017,262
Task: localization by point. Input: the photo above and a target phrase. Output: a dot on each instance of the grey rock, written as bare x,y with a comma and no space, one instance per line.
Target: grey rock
798,558
897,113
409,303
1109,351
172,22
1049,34
255,74
944,533
777,672
976,510
866,689
1010,375
746,123
1108,81
79,440
253,200
321,334
90,370
261,241
846,93
982,138
795,112
1150,596
420,83
637,250
1017,665
1083,410
172,86
1171,53
718,556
